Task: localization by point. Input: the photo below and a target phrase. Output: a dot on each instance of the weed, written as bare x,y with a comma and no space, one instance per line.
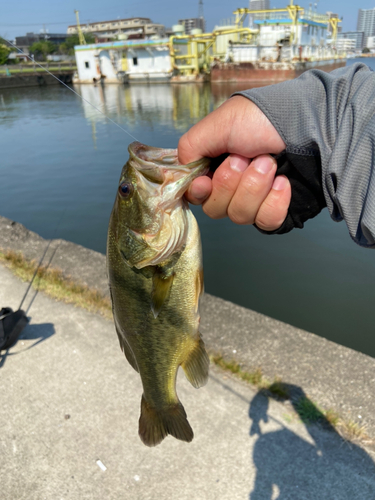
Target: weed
53,282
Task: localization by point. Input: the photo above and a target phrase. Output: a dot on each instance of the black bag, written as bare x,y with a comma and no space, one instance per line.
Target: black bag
11,326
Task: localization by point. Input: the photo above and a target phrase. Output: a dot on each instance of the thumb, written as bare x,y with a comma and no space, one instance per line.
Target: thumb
237,126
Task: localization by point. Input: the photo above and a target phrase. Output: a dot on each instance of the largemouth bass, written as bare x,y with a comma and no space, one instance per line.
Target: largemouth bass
154,262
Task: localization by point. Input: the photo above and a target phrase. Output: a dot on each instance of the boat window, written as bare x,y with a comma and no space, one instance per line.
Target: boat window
87,64
135,61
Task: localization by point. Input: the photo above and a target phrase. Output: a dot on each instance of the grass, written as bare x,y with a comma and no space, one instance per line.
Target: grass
37,69
53,282
307,411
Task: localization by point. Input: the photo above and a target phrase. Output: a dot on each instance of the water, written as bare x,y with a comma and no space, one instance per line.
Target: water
59,155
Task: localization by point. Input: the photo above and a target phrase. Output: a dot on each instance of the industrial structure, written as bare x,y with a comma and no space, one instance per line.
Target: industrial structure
283,43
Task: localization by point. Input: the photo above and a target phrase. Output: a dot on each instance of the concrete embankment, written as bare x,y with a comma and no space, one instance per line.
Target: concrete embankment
331,375
20,80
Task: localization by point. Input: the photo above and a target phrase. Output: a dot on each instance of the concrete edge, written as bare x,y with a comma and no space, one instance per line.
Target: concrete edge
332,375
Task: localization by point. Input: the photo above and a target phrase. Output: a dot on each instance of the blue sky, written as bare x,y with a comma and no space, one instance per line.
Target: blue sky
22,16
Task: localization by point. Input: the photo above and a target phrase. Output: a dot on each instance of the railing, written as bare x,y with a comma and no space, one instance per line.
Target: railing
11,69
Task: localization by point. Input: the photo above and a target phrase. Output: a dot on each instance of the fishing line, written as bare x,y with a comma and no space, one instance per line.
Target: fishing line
40,263
74,92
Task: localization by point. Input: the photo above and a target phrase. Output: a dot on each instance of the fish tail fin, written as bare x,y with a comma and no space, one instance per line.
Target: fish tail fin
197,364
154,426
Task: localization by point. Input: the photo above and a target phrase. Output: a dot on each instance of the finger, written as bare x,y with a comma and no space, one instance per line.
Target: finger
224,184
199,190
237,126
256,183
274,209
208,138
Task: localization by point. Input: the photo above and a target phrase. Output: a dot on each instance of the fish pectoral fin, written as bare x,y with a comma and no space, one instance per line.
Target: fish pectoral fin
155,425
127,351
161,288
197,364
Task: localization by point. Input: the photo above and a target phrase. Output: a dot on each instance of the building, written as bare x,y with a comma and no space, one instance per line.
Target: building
24,42
350,41
124,60
366,23
193,23
134,27
259,4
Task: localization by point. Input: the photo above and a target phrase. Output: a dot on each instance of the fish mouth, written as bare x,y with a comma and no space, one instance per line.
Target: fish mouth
161,166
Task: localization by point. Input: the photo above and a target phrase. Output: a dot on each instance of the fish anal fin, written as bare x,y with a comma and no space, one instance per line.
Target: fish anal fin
197,364
127,351
161,288
154,426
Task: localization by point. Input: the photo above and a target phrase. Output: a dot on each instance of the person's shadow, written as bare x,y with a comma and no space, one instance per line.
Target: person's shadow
38,333
320,466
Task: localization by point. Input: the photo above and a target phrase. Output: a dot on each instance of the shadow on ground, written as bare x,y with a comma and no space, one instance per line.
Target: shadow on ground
38,333
289,467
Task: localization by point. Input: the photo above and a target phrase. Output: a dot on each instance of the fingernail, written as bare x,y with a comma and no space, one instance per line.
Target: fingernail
279,183
263,164
238,163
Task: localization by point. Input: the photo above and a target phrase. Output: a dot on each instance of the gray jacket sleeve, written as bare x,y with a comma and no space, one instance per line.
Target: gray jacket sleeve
332,116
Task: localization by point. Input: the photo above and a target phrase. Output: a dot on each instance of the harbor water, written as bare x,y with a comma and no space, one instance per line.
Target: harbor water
60,164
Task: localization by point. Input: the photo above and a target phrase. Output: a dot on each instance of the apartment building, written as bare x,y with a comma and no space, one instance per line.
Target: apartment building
366,23
136,26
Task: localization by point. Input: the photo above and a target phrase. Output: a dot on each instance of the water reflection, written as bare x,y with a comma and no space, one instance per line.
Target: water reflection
61,152
182,105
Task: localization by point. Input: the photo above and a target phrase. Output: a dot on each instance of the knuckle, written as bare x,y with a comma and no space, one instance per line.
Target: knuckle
240,217
270,216
222,180
253,185
213,214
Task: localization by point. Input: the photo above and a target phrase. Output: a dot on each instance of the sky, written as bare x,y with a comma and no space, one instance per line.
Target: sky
23,16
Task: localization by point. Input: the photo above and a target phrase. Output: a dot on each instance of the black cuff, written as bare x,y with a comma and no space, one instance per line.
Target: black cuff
304,172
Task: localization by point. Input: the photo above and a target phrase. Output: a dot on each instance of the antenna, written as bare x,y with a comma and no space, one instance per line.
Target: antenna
200,9
201,16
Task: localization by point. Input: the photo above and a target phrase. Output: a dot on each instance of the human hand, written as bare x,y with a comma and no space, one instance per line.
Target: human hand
244,187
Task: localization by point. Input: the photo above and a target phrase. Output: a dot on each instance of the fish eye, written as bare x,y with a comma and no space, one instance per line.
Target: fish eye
125,189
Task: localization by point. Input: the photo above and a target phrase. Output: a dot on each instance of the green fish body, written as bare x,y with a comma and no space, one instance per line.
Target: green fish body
155,271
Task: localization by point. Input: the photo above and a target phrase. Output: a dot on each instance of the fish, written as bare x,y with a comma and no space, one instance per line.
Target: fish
155,273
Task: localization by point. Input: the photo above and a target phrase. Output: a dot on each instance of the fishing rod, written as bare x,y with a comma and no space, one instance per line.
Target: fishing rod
12,323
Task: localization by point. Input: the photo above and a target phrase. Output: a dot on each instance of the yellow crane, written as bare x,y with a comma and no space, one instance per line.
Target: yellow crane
81,37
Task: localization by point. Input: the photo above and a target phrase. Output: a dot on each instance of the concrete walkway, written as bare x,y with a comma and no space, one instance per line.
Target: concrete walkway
69,399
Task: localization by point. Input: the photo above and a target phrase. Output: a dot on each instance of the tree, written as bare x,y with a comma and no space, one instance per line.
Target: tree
42,49
68,46
4,52
366,50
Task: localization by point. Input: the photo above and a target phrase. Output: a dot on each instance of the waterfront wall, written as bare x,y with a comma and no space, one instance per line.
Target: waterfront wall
331,375
21,80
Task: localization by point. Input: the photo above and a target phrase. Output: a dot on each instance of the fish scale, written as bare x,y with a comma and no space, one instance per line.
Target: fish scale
155,275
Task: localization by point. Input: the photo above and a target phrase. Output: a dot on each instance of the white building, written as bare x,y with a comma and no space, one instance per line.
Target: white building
366,22
114,62
141,26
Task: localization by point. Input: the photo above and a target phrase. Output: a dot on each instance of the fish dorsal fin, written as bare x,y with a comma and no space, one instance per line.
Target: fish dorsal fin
161,288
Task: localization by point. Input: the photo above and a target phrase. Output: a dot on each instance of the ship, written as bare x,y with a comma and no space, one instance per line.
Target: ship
275,45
